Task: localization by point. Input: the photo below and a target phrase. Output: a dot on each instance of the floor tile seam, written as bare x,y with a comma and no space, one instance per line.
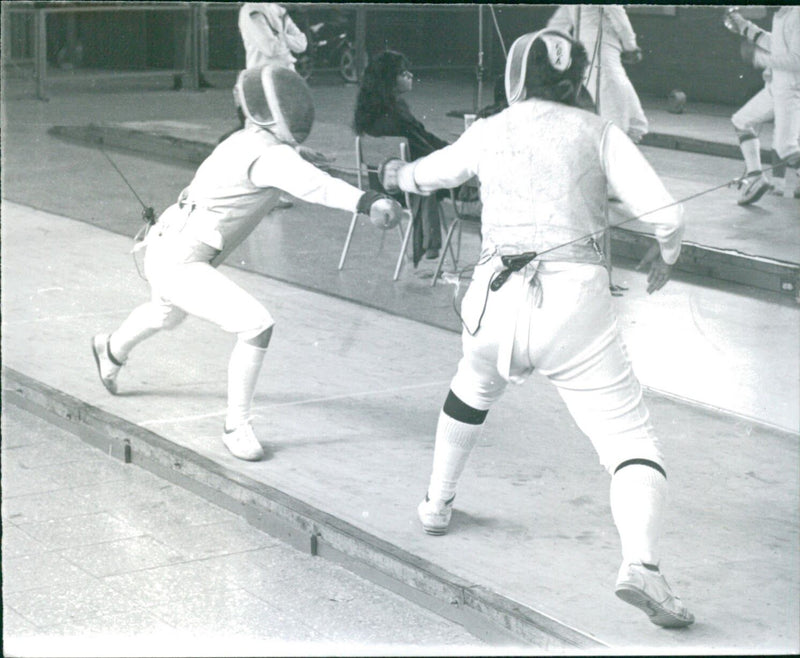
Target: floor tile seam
88,457
140,532
57,489
283,611
131,605
22,616
185,561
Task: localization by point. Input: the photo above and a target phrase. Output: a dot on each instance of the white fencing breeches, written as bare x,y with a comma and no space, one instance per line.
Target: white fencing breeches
181,276
559,320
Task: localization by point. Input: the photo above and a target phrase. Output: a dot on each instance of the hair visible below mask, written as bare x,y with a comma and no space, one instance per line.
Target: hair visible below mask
547,64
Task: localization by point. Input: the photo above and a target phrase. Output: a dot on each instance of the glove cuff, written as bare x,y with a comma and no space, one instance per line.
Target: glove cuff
405,179
367,199
753,33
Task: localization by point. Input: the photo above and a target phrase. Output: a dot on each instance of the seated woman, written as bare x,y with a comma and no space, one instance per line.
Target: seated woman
380,111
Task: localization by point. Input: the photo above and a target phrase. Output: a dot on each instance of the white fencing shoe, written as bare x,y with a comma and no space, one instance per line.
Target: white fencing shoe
435,515
242,443
648,590
106,368
753,188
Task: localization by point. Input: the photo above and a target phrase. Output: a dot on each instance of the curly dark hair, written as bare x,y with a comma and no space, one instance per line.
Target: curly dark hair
378,93
543,81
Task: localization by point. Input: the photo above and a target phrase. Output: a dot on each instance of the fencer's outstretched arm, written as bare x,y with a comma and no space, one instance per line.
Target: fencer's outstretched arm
285,169
446,168
633,181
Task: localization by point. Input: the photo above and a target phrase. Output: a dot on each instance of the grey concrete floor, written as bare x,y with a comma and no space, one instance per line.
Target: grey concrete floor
103,559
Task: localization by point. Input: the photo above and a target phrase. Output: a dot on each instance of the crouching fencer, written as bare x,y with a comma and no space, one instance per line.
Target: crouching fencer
539,296
778,53
232,190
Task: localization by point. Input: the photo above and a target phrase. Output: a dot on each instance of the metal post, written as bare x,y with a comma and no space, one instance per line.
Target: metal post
361,41
202,48
479,101
194,39
40,52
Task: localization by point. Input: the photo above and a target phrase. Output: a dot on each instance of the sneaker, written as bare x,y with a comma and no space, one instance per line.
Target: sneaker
242,443
432,254
106,368
435,515
753,188
648,590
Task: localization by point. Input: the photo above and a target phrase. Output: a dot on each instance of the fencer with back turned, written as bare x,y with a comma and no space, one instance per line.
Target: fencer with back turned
231,192
539,297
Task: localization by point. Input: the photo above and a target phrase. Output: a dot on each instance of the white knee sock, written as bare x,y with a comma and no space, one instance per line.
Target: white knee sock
243,368
638,495
138,326
751,150
454,442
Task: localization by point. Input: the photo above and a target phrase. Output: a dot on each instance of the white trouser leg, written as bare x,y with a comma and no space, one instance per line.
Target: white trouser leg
143,322
747,122
787,122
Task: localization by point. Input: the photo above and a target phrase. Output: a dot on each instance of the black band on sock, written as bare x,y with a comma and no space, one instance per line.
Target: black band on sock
643,462
461,411
111,356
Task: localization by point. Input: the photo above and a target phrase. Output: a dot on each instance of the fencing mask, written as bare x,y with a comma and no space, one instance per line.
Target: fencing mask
557,62
278,99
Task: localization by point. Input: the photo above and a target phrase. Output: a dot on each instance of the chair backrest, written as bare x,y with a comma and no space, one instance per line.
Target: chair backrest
371,152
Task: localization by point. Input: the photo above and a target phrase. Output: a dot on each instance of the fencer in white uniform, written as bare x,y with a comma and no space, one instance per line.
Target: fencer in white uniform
232,191
269,35
606,33
778,53
539,297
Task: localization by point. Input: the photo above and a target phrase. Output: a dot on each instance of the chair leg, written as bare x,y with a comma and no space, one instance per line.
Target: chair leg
447,244
403,248
350,232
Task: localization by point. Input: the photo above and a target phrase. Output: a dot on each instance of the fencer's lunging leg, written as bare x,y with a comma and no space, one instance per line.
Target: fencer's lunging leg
638,496
244,366
111,351
143,322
